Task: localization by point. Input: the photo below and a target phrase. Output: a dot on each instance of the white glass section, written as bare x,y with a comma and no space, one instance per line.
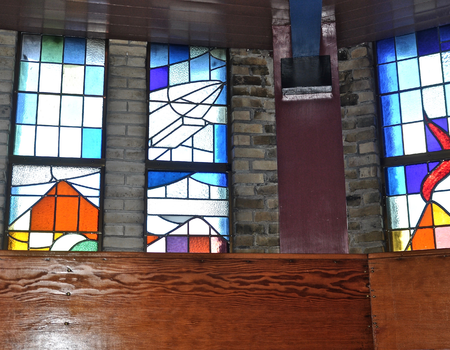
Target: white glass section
32,190
23,223
182,154
86,192
397,212
71,110
203,156
48,110
20,205
70,142
158,226
414,138
67,241
434,101
47,141
93,112
416,205
443,199
162,133
218,192
411,105
198,227
179,73
193,121
159,192
183,230
204,138
198,190
73,79
430,70
158,246
24,145
178,136
217,115
41,239
95,52
50,79
187,207
177,189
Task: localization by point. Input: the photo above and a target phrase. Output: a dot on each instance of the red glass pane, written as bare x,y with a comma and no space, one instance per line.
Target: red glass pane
423,239
43,214
66,214
199,244
88,216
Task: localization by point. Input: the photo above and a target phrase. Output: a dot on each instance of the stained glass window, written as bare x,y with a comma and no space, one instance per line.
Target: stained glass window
414,88
187,195
58,125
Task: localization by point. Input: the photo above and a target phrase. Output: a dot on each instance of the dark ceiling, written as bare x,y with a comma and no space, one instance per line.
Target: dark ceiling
226,23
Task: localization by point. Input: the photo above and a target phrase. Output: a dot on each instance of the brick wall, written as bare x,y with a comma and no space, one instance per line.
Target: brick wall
255,215
361,149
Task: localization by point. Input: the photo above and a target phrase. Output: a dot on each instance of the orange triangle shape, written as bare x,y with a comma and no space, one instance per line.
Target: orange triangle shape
427,219
65,189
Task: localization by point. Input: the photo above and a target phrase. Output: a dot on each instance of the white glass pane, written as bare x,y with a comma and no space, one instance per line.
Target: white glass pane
71,110
198,190
47,141
182,154
414,138
48,110
177,189
203,156
430,70
443,199
24,145
397,212
204,138
159,192
217,115
93,112
30,190
158,226
95,53
411,105
23,223
198,227
178,136
41,239
218,192
179,73
434,102
73,79
160,134
416,206
188,207
50,79
70,142
67,241
157,247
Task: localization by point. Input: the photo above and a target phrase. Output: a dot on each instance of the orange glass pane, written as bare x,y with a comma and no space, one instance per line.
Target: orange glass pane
42,215
151,239
52,191
88,216
423,239
427,218
199,244
66,214
64,189
92,236
441,217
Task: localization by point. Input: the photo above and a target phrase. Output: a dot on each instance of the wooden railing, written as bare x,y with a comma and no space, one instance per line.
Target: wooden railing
234,301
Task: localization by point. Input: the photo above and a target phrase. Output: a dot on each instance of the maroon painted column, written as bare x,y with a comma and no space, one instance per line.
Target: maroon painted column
310,158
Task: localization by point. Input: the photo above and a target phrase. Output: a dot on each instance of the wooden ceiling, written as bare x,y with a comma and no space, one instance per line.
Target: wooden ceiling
226,23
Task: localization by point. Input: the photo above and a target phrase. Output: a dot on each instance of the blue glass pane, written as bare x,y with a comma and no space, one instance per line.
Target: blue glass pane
216,179
159,78
432,143
411,106
387,78
26,108
395,181
432,165
444,32
427,41
406,46
216,63
222,99
220,144
160,178
93,82
159,55
28,79
177,244
178,53
219,74
393,144
414,177
390,109
386,50
200,68
408,74
445,46
74,50
92,143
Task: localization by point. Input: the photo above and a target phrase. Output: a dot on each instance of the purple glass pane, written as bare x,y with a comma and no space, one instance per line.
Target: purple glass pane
445,32
432,143
177,244
432,165
414,177
445,46
159,78
427,41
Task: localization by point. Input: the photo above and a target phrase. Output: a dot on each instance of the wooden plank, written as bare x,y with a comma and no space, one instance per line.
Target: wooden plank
411,299
182,301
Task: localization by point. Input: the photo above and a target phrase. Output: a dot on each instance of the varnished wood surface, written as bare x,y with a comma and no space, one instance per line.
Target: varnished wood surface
410,295
182,301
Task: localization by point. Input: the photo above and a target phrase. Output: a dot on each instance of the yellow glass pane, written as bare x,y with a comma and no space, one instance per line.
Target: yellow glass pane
40,249
57,235
15,244
400,240
441,217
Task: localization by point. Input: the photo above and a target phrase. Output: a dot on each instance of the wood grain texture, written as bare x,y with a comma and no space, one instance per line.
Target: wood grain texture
411,299
181,301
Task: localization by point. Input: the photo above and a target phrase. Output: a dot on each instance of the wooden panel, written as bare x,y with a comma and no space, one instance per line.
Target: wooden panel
310,160
151,301
411,299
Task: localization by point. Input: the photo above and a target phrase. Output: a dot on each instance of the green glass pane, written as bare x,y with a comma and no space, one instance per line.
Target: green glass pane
71,110
31,47
73,79
47,141
29,74
70,142
93,112
85,246
24,143
48,110
52,49
50,79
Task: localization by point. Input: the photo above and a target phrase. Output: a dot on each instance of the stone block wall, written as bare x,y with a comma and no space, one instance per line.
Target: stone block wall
255,180
361,149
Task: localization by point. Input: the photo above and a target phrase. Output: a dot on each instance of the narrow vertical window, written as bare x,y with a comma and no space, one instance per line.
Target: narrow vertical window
414,88
56,154
187,168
